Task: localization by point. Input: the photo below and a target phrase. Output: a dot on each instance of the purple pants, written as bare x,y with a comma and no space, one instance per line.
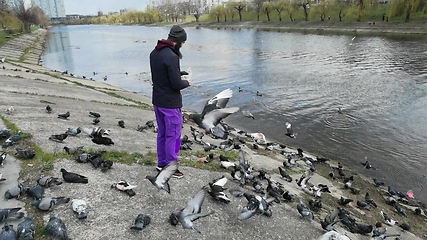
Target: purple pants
169,122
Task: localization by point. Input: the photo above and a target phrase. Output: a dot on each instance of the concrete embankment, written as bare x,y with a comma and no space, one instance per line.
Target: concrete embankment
29,88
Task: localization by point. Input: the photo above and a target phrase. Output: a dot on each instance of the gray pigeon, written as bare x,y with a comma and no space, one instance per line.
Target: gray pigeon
256,205
305,211
25,154
47,181
10,213
27,229
56,228
15,192
162,178
73,131
75,150
191,212
36,192
141,222
48,203
8,233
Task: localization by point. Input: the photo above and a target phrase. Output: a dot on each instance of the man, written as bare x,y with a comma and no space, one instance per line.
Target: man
167,99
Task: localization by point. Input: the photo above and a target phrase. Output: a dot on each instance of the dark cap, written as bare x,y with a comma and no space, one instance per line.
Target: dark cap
177,34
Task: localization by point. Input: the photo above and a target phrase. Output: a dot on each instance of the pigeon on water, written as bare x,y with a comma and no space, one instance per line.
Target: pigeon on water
102,140
48,203
7,214
79,206
248,114
305,211
94,114
48,109
2,158
64,115
73,131
58,137
162,178
191,212
75,150
121,123
141,221
25,154
36,192
56,228
73,177
124,187
217,189
47,181
8,233
289,130
27,229
15,192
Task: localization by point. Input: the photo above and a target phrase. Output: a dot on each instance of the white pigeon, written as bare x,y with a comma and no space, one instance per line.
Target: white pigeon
2,60
79,206
258,138
227,164
333,235
10,110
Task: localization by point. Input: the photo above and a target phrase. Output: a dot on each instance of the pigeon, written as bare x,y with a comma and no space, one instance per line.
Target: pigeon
4,133
141,221
2,158
1,178
83,158
96,161
248,114
378,183
285,175
47,181
391,191
58,137
191,212
369,200
94,114
56,228
289,130
384,236
162,178
48,203
36,192
73,131
10,110
217,189
75,150
15,192
405,226
256,205
378,231
73,177
121,124
330,220
124,186
333,235
7,214
64,115
79,206
12,139
305,211
8,233
102,140
48,109
95,121
105,165
387,219
25,154
27,229
363,205
344,201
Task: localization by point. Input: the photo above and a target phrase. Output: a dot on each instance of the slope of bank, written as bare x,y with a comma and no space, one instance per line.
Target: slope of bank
29,87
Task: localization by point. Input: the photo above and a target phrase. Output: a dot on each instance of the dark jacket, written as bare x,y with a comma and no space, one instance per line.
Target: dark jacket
166,77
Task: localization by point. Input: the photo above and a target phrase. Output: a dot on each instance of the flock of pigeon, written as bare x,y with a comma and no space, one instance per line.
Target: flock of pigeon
257,186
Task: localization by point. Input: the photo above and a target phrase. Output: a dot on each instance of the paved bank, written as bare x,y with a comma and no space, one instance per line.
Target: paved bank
29,87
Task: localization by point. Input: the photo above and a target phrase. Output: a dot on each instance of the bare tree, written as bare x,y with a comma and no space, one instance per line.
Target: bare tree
29,16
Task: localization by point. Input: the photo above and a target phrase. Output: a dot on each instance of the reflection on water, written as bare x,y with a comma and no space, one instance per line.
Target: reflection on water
303,78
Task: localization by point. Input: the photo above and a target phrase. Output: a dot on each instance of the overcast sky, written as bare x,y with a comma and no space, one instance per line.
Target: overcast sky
91,7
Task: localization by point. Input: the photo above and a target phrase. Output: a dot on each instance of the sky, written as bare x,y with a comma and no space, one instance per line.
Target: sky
91,7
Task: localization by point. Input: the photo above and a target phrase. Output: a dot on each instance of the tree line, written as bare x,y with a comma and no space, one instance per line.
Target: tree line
18,18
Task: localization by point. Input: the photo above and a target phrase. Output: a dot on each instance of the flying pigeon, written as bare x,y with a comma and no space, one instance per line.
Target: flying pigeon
256,205
141,221
73,177
56,228
162,178
7,214
191,212
27,228
47,181
217,189
79,206
48,109
124,187
64,115
48,203
58,137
